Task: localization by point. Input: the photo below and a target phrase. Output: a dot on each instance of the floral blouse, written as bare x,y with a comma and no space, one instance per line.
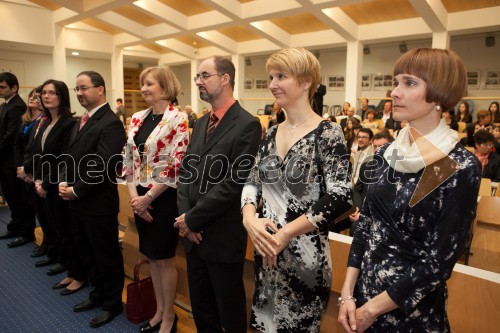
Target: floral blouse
163,151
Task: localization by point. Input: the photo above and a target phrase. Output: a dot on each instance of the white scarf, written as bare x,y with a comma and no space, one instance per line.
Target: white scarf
403,156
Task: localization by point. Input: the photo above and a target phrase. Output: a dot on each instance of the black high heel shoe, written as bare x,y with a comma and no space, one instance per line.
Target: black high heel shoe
174,325
147,328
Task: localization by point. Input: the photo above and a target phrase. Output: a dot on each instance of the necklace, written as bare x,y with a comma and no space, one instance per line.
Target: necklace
291,127
154,116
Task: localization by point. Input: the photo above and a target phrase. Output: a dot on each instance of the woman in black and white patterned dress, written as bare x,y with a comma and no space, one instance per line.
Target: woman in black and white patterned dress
419,207
301,176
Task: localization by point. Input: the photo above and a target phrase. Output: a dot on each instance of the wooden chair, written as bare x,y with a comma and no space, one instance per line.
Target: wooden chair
485,187
461,126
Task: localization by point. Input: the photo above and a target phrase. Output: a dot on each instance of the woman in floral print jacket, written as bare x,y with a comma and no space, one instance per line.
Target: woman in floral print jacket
157,141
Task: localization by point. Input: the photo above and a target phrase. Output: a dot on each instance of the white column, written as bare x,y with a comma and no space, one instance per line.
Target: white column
354,66
59,56
239,64
441,40
195,101
116,76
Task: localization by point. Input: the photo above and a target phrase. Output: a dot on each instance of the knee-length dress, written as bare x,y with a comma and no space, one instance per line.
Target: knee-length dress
408,251
312,179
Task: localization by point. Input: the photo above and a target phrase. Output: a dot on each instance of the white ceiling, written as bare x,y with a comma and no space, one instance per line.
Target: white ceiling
182,30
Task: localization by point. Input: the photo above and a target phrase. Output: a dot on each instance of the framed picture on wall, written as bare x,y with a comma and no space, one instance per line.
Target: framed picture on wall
366,82
248,85
335,82
382,81
261,84
473,79
492,79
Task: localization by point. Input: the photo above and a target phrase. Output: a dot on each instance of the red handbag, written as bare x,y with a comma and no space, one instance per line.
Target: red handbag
141,300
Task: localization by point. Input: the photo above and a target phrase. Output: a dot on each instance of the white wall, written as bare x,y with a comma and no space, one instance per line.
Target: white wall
35,68
381,60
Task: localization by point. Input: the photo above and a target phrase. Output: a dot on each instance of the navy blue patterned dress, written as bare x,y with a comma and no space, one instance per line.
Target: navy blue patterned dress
313,180
408,251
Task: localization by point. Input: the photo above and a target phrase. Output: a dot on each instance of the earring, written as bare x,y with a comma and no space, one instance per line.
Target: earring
438,107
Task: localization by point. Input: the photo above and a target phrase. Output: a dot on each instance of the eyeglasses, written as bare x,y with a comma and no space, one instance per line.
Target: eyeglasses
363,137
487,145
83,88
205,76
48,93
35,97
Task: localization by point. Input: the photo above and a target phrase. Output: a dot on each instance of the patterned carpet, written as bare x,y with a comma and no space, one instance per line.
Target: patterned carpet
28,303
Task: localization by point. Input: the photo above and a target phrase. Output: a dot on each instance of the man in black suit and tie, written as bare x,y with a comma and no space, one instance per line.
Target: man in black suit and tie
89,181
213,172
22,224
317,101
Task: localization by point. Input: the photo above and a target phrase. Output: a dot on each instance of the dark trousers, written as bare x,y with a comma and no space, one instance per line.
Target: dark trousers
217,295
96,240
36,202
16,194
60,225
49,231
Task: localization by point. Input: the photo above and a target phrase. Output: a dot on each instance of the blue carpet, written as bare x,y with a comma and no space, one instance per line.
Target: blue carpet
28,303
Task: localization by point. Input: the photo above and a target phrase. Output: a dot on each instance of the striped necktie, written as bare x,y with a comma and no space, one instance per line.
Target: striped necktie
84,119
211,126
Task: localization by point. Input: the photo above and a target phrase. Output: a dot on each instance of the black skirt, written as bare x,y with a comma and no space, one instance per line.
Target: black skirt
158,239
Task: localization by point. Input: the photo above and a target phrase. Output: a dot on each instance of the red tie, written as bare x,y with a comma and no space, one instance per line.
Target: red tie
211,126
84,119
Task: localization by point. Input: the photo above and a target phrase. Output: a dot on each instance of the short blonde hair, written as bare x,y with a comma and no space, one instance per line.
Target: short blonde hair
481,114
167,80
442,70
299,63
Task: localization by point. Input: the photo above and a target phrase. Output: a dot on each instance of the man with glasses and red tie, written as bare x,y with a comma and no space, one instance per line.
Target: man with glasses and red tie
22,225
212,175
89,181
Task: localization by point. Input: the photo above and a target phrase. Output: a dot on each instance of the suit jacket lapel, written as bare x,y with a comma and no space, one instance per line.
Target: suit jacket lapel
222,128
77,132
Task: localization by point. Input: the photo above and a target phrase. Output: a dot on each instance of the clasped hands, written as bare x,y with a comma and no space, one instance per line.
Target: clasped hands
25,177
355,320
267,239
39,189
141,205
66,191
180,223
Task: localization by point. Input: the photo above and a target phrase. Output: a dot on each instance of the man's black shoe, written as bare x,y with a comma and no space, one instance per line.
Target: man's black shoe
39,251
104,317
56,269
45,262
21,240
85,306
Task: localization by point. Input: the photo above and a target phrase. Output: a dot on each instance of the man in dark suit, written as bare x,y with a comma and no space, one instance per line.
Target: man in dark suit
213,172
22,224
89,181
317,101
386,116
350,115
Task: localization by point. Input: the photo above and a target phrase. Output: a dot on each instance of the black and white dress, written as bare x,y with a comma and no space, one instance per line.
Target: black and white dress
408,251
312,179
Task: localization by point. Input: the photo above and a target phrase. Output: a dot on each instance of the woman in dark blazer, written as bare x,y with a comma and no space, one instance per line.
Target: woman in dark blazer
49,150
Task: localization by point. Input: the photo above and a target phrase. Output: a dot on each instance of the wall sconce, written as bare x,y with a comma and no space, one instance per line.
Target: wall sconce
366,50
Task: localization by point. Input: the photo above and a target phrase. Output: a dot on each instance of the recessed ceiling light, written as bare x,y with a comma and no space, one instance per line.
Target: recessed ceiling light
75,53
